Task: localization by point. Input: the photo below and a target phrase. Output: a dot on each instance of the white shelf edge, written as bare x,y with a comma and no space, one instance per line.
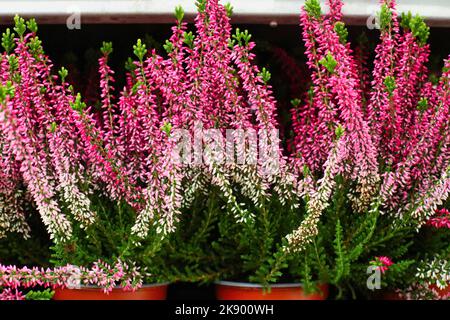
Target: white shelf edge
437,12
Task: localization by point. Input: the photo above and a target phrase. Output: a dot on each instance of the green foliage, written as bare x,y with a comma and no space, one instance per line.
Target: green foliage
342,32
167,128
422,105
53,127
32,251
130,66
329,62
139,50
179,14
242,38
363,234
20,26
63,73
385,17
313,9
32,25
339,131
35,46
296,102
306,171
6,90
106,48
109,239
390,84
306,276
417,25
201,5
46,294
8,40
229,9
405,22
311,93
265,75
136,86
348,241
191,253
188,39
398,274
78,105
168,46
342,261
254,251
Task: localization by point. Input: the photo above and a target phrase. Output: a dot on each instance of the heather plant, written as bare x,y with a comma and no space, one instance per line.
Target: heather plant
214,84
106,183
16,281
247,212
376,152
430,281
181,175
67,163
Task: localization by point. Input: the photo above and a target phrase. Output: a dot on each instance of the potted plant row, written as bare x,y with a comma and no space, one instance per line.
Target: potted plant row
181,175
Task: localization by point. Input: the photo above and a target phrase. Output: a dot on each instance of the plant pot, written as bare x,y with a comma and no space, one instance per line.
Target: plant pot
191,291
146,292
389,295
226,290
442,293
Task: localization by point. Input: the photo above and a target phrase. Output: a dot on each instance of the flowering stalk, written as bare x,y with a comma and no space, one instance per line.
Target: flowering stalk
319,199
127,277
383,263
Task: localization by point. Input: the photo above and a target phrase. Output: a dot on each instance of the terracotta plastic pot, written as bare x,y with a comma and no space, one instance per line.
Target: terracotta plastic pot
226,290
390,295
147,292
443,293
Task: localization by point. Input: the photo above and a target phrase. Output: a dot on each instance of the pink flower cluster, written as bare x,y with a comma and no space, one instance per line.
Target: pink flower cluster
383,263
11,294
396,123
62,150
440,220
101,274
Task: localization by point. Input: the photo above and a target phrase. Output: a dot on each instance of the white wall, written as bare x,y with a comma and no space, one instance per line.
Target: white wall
257,11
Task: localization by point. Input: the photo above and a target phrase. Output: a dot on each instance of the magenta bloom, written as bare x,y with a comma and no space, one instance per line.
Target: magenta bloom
440,220
11,294
383,263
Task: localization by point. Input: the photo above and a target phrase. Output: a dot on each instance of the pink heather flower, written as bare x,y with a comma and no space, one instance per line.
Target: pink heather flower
11,294
12,213
311,122
123,275
383,263
440,220
63,149
34,170
336,99
319,199
397,133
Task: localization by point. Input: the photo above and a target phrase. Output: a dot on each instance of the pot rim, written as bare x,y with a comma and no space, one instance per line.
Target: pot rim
255,285
144,286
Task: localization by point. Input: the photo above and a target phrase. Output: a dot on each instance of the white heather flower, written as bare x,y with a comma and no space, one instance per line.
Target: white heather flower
319,200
